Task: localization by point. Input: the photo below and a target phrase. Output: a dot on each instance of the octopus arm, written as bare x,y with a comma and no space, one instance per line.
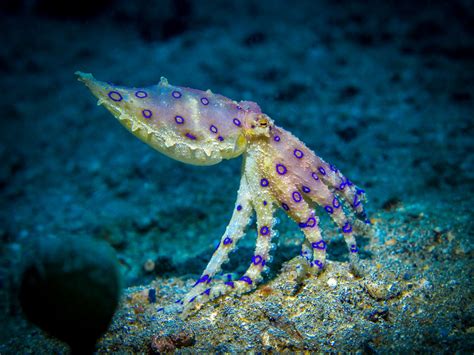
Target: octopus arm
234,232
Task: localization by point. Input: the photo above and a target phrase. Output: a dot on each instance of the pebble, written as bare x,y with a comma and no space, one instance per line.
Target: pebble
332,282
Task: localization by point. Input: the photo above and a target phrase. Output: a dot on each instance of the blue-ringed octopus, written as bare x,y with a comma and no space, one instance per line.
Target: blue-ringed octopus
279,171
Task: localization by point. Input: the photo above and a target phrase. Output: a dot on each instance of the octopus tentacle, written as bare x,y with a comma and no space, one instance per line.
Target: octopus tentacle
263,204
234,232
297,208
341,185
333,206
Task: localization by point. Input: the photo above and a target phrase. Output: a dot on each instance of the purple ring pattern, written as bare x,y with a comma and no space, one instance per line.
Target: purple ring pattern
321,245
115,96
298,153
296,196
329,209
176,94
264,182
190,136
264,230
213,129
236,122
322,171
147,113
285,206
246,279
281,169
306,189
315,176
347,228
276,138
141,94
179,119
318,263
204,101
227,241
257,259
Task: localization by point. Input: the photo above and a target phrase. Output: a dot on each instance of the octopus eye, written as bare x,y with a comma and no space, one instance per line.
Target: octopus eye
263,121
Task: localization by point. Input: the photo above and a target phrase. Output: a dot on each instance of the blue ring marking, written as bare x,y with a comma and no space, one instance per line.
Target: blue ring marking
204,101
354,248
359,191
213,129
161,309
176,94
115,96
218,245
321,245
356,202
264,182
285,206
281,169
227,241
264,230
318,263
306,189
190,136
141,94
229,283
311,222
246,279
239,207
207,292
256,259
264,203
329,209
203,278
302,225
147,113
220,138
347,228
276,138
192,299
336,203
322,171
315,176
333,168
298,153
296,196
179,119
236,122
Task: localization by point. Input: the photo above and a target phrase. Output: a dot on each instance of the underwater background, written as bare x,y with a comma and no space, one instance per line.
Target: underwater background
383,90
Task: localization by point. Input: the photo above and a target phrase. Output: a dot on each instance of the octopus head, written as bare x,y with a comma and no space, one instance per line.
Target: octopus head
257,125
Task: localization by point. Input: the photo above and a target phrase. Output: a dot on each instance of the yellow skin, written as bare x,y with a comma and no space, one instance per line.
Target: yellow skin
202,128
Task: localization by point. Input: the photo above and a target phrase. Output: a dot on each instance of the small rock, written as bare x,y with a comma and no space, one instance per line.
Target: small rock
376,290
161,344
332,282
183,339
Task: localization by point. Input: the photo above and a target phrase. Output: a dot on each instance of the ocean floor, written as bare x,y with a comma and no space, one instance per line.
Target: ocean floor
384,92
